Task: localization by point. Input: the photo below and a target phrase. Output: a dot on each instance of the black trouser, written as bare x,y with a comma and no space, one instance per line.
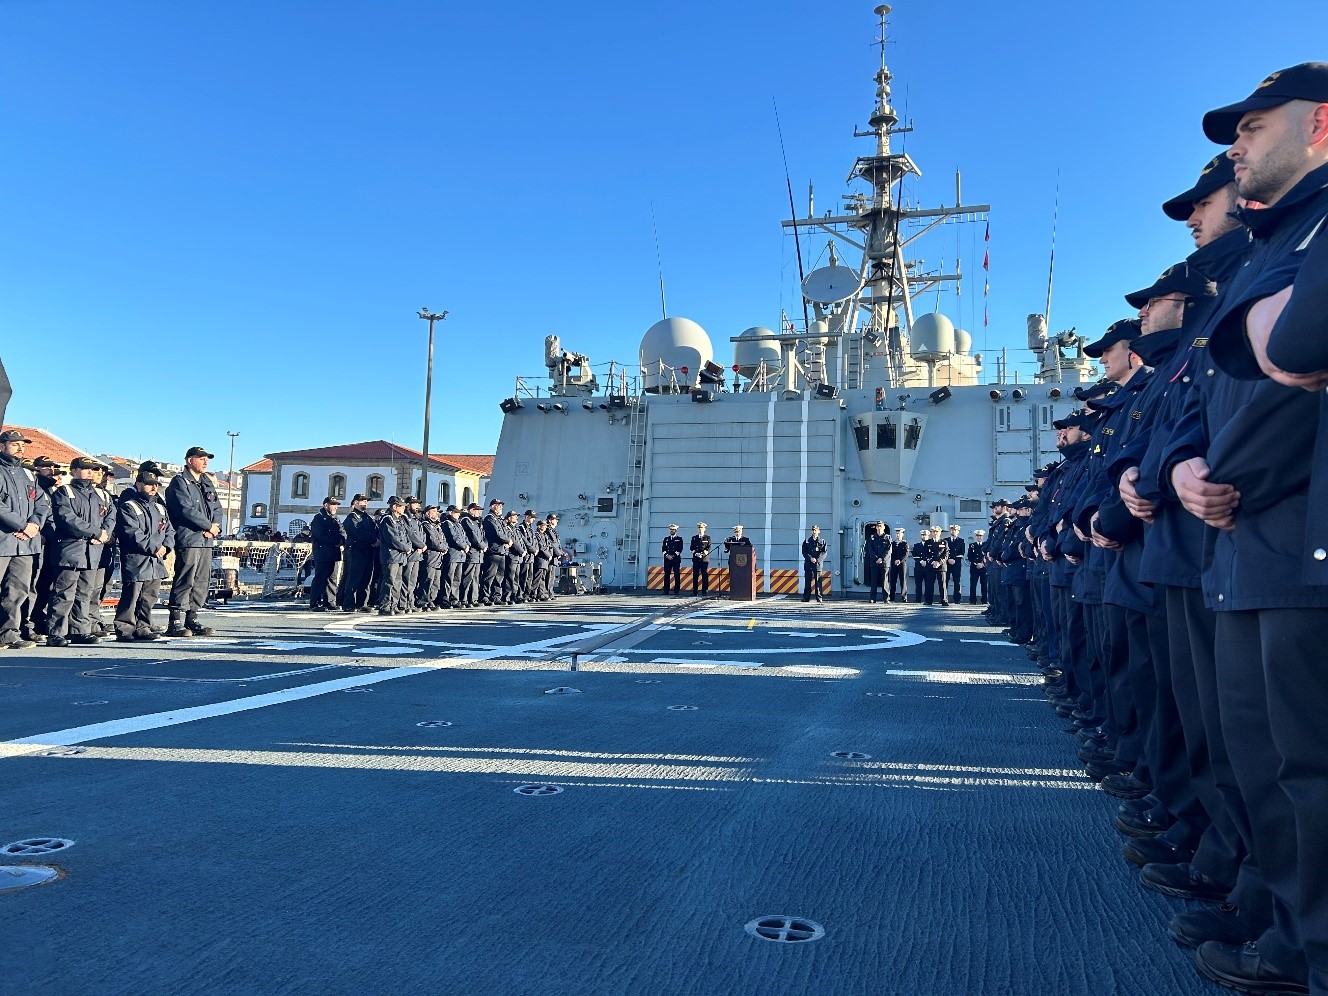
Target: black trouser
1167,759
940,579
491,580
322,592
1021,625
673,569
430,579
977,579
700,576
39,599
73,595
189,588
15,583
1123,715
133,613
355,574
876,580
391,587
511,578
525,569
540,579
920,585
898,583
957,581
470,583
450,592
811,585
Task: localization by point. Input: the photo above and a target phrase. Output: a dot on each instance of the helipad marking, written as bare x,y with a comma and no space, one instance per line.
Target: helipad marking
992,643
970,677
297,645
687,663
390,651
807,636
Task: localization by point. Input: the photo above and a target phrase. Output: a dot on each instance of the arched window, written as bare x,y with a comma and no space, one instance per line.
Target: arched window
300,486
374,487
444,493
467,496
336,487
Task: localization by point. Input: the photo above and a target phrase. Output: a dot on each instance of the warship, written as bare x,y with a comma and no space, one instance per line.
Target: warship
866,410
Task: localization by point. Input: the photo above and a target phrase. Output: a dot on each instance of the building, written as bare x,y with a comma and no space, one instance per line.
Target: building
48,444
284,490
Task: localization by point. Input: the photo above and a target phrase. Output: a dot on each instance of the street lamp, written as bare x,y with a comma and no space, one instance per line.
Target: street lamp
230,484
429,317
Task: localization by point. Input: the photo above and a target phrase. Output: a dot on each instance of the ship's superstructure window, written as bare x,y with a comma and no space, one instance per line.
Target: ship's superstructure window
862,435
886,436
912,434
336,487
300,486
374,487
970,506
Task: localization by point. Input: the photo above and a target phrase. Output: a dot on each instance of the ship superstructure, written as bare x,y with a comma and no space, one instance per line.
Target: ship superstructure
865,411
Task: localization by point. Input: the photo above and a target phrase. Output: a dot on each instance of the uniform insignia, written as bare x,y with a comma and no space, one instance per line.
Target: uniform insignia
1212,165
132,507
1136,415
1269,81
1201,342
1109,431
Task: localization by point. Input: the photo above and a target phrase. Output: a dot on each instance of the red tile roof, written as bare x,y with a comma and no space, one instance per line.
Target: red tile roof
478,463
45,444
263,466
382,451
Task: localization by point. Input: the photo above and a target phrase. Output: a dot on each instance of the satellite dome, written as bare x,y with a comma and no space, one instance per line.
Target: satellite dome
750,350
963,342
670,345
932,336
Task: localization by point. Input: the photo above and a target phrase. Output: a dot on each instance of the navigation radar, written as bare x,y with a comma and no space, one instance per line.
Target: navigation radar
831,284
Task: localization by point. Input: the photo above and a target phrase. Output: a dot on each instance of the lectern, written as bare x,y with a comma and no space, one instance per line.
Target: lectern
742,571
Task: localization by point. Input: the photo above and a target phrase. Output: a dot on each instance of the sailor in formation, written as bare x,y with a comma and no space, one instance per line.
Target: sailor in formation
1168,573
899,567
329,538
671,549
874,561
700,560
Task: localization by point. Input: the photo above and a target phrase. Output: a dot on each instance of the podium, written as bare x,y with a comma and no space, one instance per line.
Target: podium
742,572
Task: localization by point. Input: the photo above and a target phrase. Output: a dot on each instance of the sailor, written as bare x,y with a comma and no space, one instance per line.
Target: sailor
145,536
700,561
102,483
899,567
516,556
496,544
431,570
955,561
671,548
357,570
921,555
938,577
328,539
544,554
394,550
976,555
526,573
196,514
874,556
415,563
736,540
454,559
813,555
476,546
1244,467
84,525
49,475
558,553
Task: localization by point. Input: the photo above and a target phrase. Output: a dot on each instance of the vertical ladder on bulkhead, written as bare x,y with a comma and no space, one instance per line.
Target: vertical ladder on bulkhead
813,364
636,473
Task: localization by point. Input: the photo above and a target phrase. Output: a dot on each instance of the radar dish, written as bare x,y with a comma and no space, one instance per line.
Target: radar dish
830,284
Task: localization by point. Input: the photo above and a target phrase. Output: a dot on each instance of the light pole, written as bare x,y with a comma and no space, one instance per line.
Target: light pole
430,317
230,482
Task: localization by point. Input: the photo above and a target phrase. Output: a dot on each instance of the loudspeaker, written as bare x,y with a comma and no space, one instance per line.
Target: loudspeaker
510,405
827,391
703,397
939,395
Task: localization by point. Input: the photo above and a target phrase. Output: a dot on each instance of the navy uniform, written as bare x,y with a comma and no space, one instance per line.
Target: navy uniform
454,560
394,550
496,544
921,554
470,571
49,475
955,562
415,563
700,561
328,538
196,515
526,573
24,510
813,555
357,570
145,536
545,551
552,530
431,571
516,557
875,554
84,526
671,548
899,568
976,555
938,579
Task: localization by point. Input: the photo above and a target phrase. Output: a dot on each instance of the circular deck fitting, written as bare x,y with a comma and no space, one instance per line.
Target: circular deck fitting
33,846
562,690
14,877
63,752
682,708
537,789
851,755
434,724
786,929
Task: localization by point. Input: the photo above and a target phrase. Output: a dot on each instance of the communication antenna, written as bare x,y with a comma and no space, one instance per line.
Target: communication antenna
793,210
1051,267
659,263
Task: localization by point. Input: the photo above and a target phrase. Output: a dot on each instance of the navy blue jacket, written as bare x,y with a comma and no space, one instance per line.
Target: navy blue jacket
328,537
194,508
361,531
474,528
454,535
81,515
142,528
497,537
21,502
394,545
813,552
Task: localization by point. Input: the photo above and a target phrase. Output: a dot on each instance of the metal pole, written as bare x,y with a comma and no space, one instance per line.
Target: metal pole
230,482
430,317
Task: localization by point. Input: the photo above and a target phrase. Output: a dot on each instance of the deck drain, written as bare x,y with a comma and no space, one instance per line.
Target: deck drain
851,755
64,752
682,708
36,845
786,929
537,789
434,724
562,690
13,877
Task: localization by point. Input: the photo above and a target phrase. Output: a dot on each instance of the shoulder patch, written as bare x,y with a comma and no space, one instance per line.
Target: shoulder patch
1200,343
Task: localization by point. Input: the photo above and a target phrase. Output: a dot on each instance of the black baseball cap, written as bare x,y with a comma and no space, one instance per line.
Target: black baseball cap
453,508
84,463
474,504
1218,172
329,500
360,497
1126,329
1179,279
1306,81
496,501
13,436
394,500
197,451
530,513
1075,420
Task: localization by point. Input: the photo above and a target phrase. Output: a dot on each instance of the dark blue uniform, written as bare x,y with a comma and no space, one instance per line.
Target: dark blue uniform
813,554
671,549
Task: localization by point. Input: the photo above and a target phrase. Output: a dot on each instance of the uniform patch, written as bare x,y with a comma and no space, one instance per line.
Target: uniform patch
1136,415
1200,343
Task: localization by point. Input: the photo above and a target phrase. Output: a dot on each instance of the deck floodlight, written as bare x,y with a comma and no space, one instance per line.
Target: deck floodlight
995,395
510,405
1017,394
939,395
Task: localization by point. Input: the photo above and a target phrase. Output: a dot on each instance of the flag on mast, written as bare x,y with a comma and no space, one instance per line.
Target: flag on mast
986,271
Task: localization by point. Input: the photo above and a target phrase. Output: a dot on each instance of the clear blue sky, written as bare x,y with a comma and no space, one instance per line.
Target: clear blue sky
224,216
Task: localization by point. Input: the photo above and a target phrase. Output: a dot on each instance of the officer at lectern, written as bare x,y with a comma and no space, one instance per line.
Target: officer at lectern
742,565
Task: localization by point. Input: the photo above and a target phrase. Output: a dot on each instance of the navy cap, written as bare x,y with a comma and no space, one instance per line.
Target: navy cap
394,500
453,508
1030,487
1072,421
360,497
1306,81
147,477
1179,279
1023,503
84,463
13,436
474,504
1127,329
1219,172
198,451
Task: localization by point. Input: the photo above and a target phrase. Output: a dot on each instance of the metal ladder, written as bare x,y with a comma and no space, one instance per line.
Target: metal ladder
636,471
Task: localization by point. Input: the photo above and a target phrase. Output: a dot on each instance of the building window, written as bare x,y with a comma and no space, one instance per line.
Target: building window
336,487
374,486
300,486
467,496
444,493
259,511
418,489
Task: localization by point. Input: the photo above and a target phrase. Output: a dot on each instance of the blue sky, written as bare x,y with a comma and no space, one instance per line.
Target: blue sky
224,216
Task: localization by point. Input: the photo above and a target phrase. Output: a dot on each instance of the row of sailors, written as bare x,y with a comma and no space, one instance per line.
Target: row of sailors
935,563
408,559
1168,575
